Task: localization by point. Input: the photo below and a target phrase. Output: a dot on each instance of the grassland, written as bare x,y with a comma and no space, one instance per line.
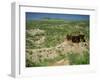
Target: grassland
44,36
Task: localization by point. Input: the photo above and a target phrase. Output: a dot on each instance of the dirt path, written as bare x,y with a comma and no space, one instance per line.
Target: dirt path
60,62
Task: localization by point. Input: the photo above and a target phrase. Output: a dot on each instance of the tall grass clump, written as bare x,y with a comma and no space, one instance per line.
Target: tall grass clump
76,59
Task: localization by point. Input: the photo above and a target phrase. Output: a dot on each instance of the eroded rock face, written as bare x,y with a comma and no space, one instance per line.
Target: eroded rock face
76,38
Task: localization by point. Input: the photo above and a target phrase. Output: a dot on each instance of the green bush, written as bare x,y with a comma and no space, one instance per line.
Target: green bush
76,58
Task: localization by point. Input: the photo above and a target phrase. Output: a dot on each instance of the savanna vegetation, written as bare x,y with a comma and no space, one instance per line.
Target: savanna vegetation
45,42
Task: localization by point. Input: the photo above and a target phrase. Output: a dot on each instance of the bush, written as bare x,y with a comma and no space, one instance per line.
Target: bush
76,59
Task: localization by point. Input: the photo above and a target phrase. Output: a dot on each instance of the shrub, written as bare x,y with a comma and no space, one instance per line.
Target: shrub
76,59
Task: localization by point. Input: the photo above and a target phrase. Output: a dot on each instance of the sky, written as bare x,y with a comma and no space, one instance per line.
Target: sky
39,16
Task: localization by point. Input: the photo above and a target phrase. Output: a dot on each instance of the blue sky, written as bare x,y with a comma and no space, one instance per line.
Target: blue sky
38,16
